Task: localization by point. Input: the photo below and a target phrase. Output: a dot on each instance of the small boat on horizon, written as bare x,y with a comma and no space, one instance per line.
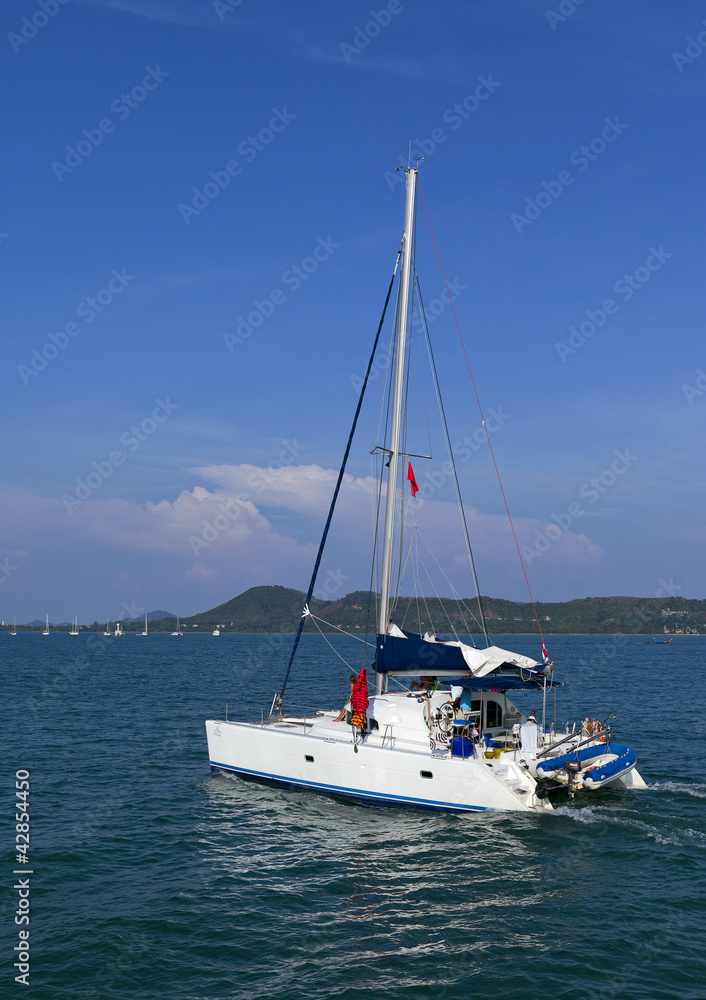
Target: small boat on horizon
658,642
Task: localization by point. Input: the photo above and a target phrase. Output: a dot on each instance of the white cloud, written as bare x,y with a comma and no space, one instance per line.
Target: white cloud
208,544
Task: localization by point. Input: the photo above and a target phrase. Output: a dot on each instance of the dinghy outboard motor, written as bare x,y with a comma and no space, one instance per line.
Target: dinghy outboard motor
572,768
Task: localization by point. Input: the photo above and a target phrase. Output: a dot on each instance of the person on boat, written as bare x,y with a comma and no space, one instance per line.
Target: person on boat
347,707
359,702
424,684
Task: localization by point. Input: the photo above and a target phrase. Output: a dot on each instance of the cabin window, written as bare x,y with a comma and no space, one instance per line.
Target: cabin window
373,724
493,715
426,774
309,758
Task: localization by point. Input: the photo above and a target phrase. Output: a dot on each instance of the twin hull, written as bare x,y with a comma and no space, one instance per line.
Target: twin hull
285,755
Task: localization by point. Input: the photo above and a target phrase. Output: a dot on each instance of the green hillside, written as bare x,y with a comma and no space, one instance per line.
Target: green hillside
278,609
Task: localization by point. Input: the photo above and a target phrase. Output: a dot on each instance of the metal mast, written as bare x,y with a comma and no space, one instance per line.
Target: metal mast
395,427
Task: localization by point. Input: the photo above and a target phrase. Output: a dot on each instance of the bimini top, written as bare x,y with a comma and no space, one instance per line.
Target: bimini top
406,654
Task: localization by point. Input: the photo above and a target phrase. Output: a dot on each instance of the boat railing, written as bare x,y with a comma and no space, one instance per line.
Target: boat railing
603,736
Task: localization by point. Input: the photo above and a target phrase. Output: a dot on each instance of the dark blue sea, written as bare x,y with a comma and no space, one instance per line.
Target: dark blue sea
153,879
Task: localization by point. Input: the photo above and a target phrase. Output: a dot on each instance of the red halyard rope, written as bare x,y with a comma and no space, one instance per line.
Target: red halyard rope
482,416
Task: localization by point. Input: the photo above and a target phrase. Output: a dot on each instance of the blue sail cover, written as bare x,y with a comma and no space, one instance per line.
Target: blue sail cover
410,654
413,654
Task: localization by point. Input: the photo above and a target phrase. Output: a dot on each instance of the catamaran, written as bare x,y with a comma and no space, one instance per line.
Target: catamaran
178,630
74,627
452,739
46,626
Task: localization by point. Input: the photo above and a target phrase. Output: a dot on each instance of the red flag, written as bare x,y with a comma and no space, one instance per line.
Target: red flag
412,480
545,654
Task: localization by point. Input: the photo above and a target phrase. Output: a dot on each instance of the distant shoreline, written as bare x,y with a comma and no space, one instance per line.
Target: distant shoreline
524,635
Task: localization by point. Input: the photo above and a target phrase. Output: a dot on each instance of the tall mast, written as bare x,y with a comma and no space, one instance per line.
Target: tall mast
398,387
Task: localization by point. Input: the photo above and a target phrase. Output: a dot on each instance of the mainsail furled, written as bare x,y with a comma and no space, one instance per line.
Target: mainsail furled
408,654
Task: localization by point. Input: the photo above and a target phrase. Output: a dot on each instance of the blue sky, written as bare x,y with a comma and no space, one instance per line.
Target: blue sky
121,278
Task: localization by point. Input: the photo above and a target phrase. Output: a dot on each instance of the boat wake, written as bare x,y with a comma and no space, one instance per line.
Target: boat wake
698,791
684,837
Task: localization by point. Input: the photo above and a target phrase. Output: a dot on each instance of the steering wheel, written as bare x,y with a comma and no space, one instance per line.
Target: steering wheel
445,717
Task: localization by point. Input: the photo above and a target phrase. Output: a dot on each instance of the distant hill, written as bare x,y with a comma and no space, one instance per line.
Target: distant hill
260,609
152,616
278,609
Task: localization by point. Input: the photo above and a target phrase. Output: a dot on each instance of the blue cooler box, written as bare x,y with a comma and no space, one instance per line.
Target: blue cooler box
461,746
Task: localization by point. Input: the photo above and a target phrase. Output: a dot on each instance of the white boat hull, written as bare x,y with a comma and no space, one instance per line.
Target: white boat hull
290,755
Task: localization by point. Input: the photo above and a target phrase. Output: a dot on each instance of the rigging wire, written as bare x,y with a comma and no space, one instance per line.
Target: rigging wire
351,635
480,409
462,510
459,600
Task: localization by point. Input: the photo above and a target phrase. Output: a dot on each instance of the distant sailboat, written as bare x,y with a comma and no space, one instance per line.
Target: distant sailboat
14,627
178,631
46,627
145,632
107,628
74,627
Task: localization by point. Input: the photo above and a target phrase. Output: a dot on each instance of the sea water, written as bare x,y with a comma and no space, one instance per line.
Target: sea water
151,878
